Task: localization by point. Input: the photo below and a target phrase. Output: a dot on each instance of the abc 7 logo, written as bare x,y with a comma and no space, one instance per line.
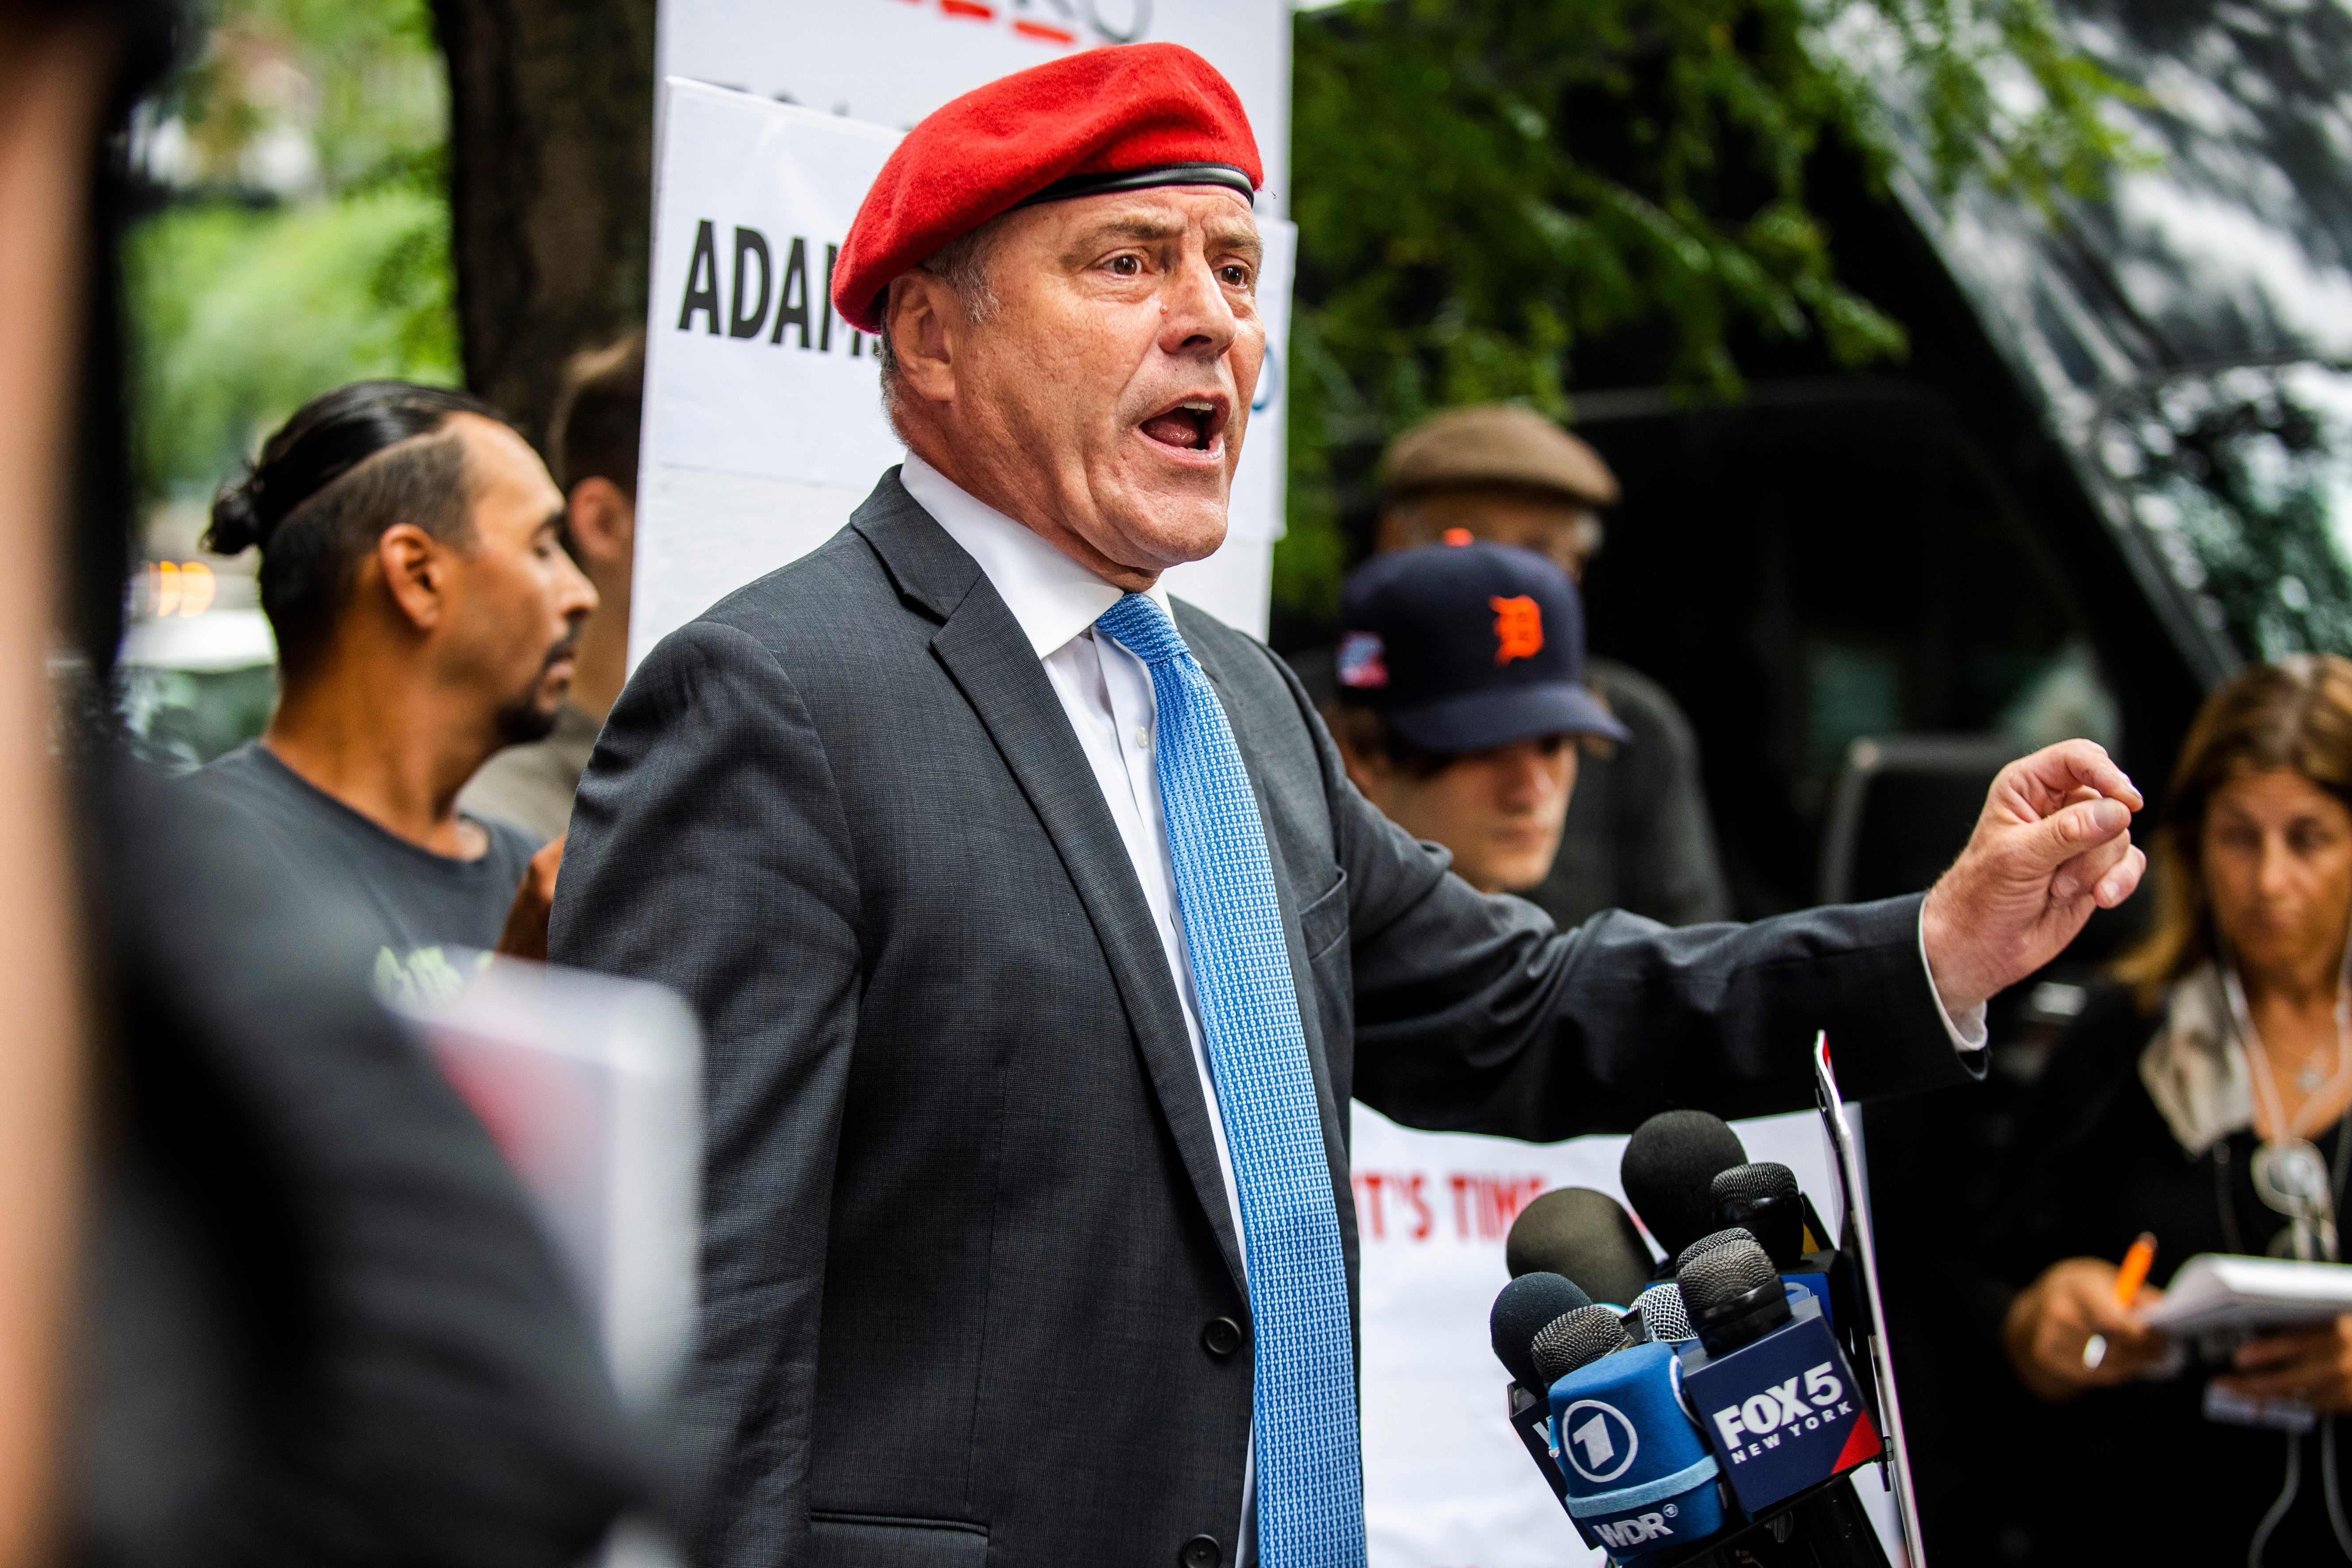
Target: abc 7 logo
1598,1439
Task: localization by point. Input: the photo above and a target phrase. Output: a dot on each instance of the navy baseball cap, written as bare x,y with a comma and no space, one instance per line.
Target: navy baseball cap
1465,646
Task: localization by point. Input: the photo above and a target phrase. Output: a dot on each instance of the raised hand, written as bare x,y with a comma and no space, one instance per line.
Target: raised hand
2053,843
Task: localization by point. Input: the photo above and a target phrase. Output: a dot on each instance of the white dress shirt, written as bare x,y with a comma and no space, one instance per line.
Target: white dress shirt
1107,693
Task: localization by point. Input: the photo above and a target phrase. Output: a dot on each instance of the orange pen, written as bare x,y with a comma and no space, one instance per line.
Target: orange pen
2134,1272
2129,1278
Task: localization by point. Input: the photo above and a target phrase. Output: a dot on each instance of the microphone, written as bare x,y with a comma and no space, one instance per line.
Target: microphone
1669,1171
1764,1199
1732,1296
1779,1405
1527,1304
1708,1243
1585,1236
1526,1307
1660,1306
1576,1338
1638,1471
1618,1436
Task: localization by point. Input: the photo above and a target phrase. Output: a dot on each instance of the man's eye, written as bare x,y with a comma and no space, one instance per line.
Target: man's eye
1126,266
1237,275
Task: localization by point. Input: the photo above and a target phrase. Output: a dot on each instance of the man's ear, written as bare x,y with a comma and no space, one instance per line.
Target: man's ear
921,312
603,520
416,569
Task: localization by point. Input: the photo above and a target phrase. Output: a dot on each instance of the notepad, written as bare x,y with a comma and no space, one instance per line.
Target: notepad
2215,1292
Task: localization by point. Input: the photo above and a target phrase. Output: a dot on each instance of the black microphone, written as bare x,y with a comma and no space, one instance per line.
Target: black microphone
1526,1306
1778,1400
1763,1199
1584,1235
1709,1244
1669,1171
1731,1293
1576,1338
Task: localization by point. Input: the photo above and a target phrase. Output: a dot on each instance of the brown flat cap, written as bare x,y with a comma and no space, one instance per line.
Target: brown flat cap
1494,444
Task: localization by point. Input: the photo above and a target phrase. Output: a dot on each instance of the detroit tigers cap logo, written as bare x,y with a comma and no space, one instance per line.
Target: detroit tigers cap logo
1598,1439
1518,627
1361,661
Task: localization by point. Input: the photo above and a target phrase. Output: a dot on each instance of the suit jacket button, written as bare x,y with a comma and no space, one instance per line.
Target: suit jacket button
1221,1338
1202,1550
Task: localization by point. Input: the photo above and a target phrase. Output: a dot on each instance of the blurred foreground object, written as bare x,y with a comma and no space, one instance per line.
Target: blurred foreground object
323,1323
591,1087
62,68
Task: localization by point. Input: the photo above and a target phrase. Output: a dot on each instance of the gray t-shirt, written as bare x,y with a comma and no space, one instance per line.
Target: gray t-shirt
421,907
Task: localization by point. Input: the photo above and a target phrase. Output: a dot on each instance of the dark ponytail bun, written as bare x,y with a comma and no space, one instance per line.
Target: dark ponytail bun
327,437
236,517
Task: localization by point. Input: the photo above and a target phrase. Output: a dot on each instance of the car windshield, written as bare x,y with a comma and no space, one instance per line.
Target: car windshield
2242,479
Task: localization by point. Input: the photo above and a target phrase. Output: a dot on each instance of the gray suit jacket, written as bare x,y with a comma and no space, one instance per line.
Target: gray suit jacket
965,1232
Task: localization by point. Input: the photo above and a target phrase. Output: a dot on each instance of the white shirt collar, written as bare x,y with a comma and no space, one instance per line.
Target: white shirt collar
1052,597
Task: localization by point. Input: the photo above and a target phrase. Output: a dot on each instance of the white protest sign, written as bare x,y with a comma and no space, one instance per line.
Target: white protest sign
1446,1482
891,62
763,418
763,424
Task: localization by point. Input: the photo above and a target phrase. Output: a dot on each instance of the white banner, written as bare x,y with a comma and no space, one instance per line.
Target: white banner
1446,1483
891,62
763,418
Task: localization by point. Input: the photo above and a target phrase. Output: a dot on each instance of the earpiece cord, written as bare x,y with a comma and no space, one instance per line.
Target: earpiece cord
2334,1493
2257,1055
2262,1531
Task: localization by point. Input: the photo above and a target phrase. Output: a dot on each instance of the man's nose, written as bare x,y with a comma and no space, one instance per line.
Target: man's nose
1524,779
576,595
1196,319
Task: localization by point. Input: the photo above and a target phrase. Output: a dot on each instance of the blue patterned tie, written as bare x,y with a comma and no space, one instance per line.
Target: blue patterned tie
1311,1488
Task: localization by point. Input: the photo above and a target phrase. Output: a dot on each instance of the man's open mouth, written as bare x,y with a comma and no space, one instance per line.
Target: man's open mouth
1194,424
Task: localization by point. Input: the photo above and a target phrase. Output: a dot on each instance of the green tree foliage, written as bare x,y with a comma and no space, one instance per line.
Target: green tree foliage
1481,186
307,244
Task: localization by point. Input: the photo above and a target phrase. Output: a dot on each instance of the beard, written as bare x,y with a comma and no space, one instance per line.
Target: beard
525,717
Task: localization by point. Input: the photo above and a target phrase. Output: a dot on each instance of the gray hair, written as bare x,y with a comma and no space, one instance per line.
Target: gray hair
963,264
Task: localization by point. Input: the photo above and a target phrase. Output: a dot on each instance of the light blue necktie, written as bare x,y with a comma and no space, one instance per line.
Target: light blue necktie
1310,1486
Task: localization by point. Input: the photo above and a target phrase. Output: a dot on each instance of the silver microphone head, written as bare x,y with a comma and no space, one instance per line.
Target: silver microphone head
1660,1306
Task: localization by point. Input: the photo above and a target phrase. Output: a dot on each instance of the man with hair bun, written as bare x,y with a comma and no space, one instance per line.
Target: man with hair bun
426,615
1039,940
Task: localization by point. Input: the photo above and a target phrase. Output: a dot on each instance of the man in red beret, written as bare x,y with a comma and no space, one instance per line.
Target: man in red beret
1041,942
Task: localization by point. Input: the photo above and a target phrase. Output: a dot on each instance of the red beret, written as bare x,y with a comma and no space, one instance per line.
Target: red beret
1156,114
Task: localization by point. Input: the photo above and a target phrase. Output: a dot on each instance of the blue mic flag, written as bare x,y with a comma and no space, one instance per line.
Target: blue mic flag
1639,1474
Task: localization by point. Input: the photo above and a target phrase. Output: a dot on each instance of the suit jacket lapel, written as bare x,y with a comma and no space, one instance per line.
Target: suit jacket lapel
991,661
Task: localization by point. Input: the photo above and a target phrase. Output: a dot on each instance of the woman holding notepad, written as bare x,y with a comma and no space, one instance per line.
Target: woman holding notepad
2204,1102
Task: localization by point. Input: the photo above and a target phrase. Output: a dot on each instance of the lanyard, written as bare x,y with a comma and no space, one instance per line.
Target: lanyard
2290,1175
